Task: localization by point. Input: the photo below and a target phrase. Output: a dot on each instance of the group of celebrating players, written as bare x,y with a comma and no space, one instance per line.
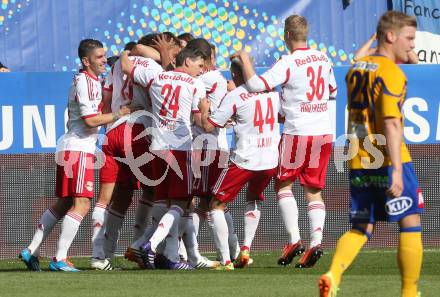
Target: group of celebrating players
167,108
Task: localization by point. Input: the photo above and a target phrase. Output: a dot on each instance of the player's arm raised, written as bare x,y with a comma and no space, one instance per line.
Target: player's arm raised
138,50
146,52
247,67
365,49
165,49
277,75
126,64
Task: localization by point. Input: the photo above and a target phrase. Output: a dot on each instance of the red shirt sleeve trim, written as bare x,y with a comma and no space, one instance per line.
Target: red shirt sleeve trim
332,89
265,83
214,87
132,73
214,123
195,111
89,116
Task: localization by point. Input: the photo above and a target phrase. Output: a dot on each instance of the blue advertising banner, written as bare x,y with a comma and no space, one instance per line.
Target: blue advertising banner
38,35
33,108
421,108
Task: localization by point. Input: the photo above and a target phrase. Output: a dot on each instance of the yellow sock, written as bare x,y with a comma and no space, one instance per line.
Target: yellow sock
409,257
347,248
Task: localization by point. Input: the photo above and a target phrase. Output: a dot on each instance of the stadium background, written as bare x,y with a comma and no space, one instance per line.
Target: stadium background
42,36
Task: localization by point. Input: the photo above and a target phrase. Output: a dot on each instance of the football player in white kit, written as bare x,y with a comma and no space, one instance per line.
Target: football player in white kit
117,180
254,159
308,83
175,96
75,159
210,150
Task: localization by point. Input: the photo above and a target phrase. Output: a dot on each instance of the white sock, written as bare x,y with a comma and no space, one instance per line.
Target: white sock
190,240
221,234
165,224
111,236
198,217
251,220
69,228
289,213
156,213
183,255
171,250
316,212
234,246
98,220
141,218
47,221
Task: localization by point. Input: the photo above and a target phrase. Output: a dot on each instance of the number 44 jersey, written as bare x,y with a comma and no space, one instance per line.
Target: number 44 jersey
257,130
175,95
307,80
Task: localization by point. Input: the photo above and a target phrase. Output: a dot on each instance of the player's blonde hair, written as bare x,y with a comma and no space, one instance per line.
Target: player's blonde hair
297,27
393,21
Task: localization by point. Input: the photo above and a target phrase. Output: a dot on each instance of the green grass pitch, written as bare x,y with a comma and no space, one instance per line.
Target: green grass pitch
374,273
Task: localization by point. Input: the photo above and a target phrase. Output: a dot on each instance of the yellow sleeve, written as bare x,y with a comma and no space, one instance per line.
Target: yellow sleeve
393,92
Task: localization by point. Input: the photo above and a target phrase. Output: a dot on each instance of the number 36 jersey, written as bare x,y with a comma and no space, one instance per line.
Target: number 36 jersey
307,80
175,95
257,130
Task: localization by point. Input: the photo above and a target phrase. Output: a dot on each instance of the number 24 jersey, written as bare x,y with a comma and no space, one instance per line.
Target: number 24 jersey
175,95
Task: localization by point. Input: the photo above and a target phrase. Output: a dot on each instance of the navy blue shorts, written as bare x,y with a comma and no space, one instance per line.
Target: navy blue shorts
369,201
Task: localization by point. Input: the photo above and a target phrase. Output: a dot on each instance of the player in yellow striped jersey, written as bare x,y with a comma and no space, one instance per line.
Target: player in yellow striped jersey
383,184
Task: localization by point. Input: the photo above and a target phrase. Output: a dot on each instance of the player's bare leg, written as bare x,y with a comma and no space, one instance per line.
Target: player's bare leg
316,213
289,213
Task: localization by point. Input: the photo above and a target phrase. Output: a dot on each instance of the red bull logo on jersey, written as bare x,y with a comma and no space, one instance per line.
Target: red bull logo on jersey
311,59
399,205
141,62
246,96
187,79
